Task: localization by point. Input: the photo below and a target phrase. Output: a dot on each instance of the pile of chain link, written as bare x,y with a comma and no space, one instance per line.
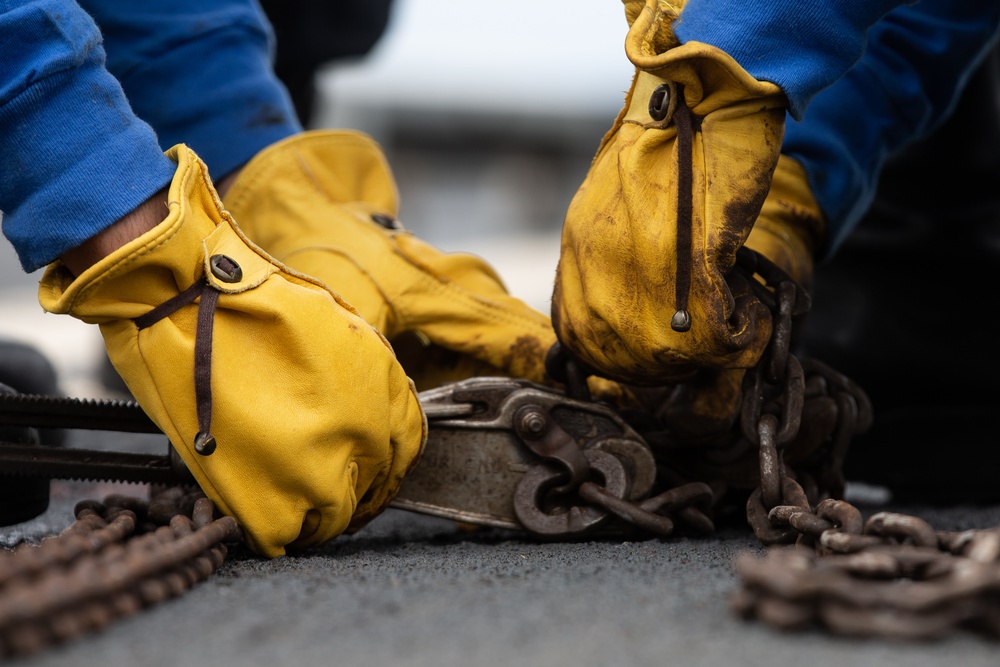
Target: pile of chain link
890,576
120,556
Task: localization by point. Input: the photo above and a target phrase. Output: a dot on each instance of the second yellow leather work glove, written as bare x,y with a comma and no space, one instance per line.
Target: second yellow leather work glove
324,203
641,292
291,412
790,228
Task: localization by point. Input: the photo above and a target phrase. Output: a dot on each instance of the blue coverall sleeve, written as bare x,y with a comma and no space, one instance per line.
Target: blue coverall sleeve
918,59
863,78
74,158
200,72
803,47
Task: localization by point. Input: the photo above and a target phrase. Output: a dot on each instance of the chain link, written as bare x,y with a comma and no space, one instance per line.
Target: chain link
118,557
891,576
777,392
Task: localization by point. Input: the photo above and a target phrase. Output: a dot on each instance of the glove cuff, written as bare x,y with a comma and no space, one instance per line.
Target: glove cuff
712,79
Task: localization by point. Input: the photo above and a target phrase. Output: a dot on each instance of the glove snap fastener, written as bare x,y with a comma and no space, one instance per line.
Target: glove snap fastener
204,443
225,268
387,221
681,321
661,102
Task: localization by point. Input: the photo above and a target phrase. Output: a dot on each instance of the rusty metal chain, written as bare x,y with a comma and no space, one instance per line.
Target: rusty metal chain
573,492
774,401
895,578
687,504
117,558
889,576
892,576
511,454
579,505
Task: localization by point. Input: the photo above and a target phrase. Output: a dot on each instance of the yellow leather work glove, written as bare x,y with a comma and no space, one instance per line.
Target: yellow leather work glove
641,293
324,203
790,227
290,410
789,232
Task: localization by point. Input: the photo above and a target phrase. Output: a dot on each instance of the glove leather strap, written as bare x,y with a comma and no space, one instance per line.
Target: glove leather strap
204,442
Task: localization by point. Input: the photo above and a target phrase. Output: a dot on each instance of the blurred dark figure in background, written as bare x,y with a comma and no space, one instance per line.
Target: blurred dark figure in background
26,369
907,310
312,33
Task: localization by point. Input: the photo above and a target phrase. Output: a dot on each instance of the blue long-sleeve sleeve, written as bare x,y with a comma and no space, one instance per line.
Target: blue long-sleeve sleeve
74,158
200,72
803,47
908,81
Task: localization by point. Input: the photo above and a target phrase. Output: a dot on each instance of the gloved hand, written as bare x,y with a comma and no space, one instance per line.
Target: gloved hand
324,203
290,410
641,292
790,228
789,232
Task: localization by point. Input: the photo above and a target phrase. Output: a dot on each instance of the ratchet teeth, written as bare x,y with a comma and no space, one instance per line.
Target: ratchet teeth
87,413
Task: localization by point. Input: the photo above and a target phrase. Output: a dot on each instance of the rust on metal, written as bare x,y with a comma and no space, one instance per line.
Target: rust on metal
487,434
116,559
891,576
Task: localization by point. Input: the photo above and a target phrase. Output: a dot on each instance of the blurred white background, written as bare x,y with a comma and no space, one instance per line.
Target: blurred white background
490,114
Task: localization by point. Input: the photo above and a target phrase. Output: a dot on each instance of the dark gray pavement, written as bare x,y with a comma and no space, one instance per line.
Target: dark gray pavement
413,590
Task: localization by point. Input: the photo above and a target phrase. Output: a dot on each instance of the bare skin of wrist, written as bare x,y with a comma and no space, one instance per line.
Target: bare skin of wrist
149,214
222,185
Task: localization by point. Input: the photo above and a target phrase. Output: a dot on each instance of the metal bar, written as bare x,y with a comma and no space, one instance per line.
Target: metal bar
59,463
90,414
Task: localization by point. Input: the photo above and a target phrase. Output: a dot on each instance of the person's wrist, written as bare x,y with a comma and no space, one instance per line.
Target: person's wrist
144,218
223,184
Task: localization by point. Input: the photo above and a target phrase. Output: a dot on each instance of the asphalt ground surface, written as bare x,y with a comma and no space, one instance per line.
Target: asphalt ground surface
415,590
